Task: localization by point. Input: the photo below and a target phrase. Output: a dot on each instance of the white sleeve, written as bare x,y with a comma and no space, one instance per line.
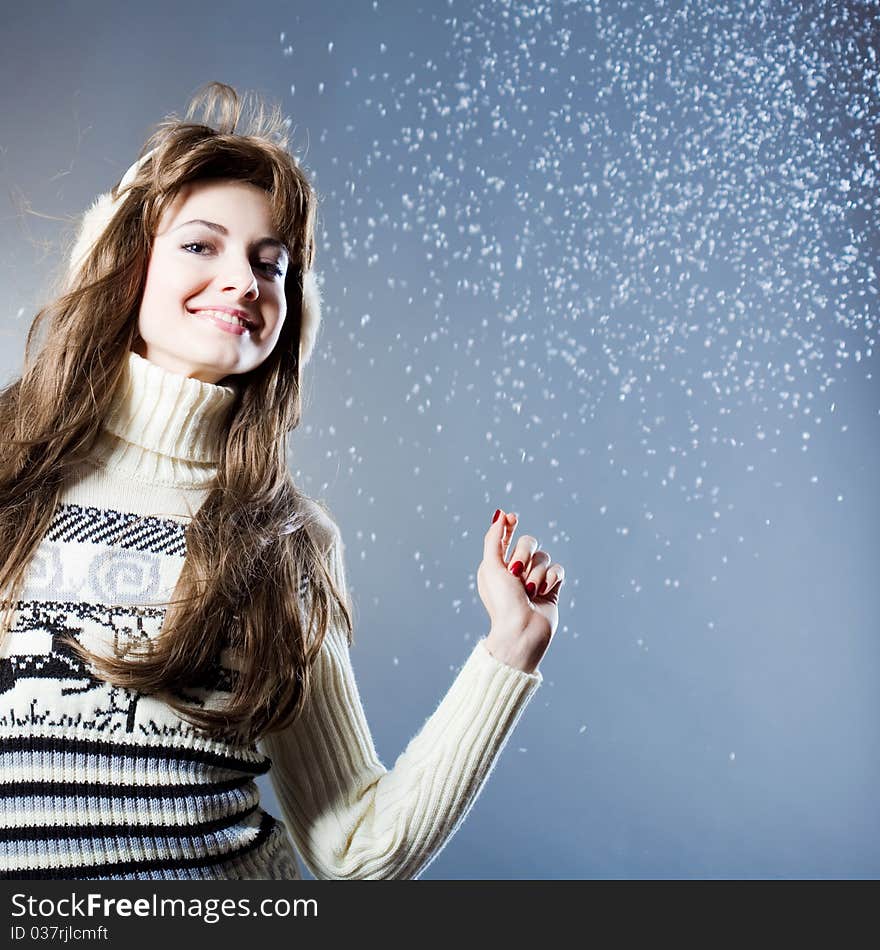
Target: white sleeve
348,815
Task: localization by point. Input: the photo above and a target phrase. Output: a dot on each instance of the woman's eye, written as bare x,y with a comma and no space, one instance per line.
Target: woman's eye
270,266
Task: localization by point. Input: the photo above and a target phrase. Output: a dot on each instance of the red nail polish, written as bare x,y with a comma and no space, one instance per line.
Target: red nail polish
543,587
530,590
495,516
517,568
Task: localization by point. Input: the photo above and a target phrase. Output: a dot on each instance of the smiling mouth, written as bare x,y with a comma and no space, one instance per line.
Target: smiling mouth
227,318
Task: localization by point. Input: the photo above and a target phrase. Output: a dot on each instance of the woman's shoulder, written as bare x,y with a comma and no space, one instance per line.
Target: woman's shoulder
320,523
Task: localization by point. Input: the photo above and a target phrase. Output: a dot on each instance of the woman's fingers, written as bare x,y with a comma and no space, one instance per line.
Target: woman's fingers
555,575
526,561
510,520
533,578
521,558
497,538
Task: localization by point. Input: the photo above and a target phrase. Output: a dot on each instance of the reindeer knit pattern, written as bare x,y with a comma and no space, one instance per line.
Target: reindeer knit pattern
101,782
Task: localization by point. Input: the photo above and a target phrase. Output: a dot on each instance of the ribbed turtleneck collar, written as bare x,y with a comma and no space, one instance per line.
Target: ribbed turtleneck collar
163,427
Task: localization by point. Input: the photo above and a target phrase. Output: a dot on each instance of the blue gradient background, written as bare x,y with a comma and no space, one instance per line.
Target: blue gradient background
611,266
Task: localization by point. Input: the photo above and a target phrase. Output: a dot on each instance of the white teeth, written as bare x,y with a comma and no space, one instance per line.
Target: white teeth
226,317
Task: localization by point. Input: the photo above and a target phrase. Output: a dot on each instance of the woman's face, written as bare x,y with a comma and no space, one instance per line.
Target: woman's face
215,250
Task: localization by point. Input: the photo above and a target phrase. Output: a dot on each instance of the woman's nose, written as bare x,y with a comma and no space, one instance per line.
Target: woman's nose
242,279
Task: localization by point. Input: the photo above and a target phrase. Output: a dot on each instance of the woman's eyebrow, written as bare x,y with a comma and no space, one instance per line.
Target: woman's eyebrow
262,242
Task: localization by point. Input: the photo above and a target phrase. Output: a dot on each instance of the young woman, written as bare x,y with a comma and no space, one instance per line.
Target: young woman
177,620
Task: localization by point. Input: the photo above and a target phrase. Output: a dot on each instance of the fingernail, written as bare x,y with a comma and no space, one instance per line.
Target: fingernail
495,516
517,568
543,587
530,590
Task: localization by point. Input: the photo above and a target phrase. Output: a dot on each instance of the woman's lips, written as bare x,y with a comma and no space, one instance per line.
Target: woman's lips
235,328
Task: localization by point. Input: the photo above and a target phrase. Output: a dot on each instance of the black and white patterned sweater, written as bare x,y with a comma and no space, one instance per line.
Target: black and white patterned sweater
99,782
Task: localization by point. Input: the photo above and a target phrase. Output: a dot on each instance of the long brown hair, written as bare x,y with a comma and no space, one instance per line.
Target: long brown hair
257,542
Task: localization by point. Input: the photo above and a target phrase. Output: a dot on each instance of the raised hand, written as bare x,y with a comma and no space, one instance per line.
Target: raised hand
520,594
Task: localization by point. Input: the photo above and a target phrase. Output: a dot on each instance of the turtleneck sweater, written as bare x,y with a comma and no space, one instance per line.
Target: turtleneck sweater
101,782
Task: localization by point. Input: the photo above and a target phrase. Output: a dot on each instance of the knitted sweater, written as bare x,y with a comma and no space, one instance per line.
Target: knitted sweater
99,782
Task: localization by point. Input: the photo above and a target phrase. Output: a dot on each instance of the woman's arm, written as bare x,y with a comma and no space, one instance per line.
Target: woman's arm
348,815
